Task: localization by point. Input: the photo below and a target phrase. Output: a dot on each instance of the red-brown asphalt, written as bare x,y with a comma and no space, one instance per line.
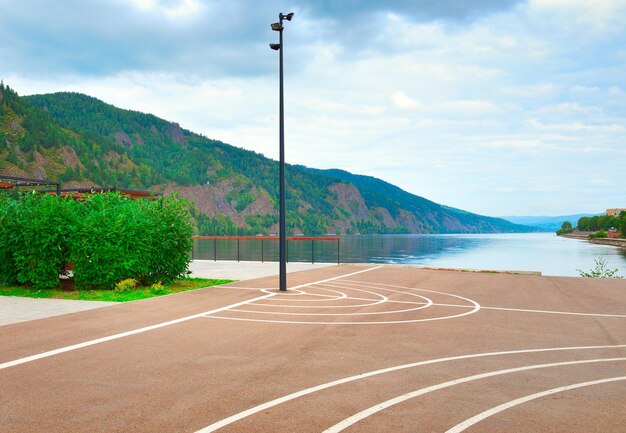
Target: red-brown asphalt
189,375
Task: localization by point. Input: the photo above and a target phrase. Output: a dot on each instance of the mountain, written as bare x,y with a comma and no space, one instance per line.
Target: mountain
546,223
83,142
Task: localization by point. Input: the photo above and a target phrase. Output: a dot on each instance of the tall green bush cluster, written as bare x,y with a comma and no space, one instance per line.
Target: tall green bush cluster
107,238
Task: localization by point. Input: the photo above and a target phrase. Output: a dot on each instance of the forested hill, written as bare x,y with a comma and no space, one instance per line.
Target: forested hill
83,141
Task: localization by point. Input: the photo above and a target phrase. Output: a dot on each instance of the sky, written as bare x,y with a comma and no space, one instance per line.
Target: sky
499,107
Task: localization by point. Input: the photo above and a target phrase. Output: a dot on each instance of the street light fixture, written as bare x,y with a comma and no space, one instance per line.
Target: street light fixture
282,235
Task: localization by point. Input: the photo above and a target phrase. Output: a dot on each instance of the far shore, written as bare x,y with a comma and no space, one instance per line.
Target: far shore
616,242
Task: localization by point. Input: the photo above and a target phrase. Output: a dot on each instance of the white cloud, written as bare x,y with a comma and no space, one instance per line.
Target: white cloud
401,100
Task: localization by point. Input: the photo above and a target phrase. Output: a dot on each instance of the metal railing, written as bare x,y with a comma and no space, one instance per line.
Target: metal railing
262,240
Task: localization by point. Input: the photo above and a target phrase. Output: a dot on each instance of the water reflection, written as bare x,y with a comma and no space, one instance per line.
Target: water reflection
542,252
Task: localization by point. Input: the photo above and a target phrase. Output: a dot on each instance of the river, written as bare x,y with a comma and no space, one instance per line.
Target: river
543,252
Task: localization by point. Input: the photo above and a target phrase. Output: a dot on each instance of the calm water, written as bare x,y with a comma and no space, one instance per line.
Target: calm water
542,252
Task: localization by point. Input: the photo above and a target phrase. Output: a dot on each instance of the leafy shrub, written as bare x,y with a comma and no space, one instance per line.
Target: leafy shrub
107,246
126,285
108,238
36,239
158,289
8,239
598,234
119,238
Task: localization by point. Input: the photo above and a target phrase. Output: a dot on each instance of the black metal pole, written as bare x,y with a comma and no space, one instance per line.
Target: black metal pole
282,218
338,251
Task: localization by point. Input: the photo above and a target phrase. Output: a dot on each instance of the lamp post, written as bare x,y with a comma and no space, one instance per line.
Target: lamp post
282,236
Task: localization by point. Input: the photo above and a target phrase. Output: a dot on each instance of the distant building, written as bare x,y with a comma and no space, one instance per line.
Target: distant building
615,212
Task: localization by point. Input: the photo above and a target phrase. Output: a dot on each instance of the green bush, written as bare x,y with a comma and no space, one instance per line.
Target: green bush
598,234
38,239
108,238
8,239
119,238
168,241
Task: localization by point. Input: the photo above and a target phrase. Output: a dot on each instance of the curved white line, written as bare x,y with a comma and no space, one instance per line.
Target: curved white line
303,293
264,406
380,322
402,398
486,414
476,308
365,313
382,300
345,296
275,292
378,285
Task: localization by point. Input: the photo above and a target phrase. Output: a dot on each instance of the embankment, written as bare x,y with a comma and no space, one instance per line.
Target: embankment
602,241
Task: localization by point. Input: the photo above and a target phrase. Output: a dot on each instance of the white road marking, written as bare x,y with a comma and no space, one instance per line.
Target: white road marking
402,398
326,298
335,278
382,299
381,322
523,310
570,313
122,334
363,313
260,408
486,414
474,308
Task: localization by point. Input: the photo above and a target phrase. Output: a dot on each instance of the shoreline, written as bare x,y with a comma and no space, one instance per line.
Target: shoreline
615,242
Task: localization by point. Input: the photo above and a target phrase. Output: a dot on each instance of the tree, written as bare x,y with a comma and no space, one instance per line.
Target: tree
566,227
583,224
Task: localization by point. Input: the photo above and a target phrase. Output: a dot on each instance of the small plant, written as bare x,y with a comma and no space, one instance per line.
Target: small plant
126,285
600,271
158,289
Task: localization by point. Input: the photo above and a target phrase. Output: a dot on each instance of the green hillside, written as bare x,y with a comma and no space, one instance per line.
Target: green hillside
83,141
435,217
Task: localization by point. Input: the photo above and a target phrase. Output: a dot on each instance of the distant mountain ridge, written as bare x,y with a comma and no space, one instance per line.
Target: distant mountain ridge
83,141
547,223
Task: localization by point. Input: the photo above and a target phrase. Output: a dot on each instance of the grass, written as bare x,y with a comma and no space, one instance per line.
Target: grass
140,292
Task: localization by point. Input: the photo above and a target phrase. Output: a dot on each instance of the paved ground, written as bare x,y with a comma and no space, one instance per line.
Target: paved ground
348,348
16,309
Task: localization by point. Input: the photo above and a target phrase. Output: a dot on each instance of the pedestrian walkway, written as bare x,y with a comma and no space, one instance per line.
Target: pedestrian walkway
15,309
